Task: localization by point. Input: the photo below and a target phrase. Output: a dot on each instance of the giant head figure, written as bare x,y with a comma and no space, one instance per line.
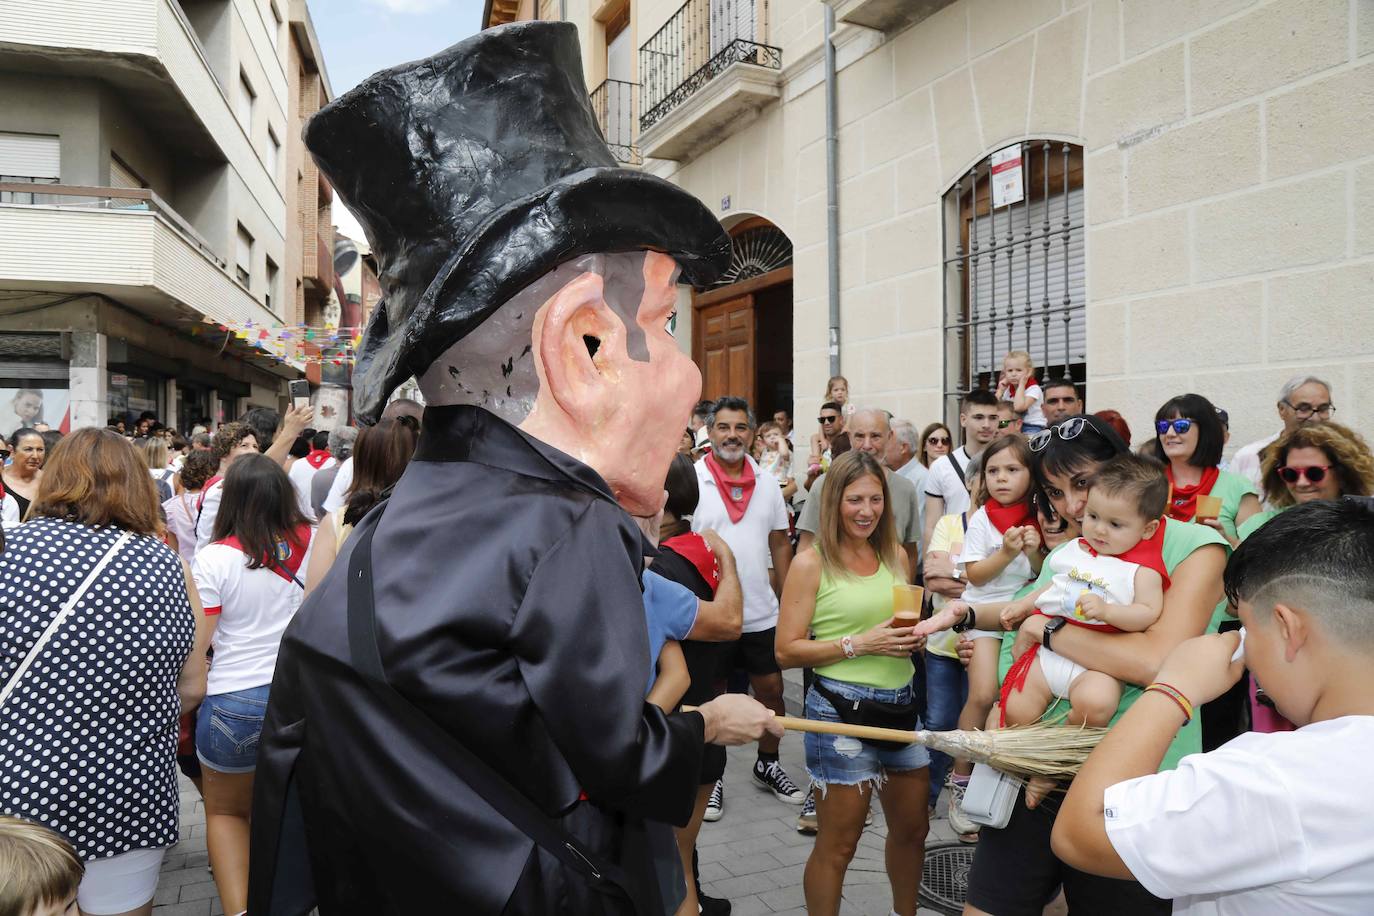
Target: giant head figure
521,269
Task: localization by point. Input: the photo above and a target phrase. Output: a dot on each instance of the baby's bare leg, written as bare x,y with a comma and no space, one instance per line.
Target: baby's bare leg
1028,704
1093,698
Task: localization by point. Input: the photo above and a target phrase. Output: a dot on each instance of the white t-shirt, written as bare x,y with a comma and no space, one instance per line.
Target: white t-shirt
1266,825
944,482
1246,462
1077,571
748,539
338,490
209,508
9,512
301,474
981,541
1035,414
254,607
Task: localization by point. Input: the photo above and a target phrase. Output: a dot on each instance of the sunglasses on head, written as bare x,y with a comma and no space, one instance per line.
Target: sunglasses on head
1181,425
1314,474
1071,428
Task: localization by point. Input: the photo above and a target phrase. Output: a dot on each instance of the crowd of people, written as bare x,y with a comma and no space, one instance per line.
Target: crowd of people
1039,565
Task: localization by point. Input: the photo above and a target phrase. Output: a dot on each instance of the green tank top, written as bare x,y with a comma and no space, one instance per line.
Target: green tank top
853,605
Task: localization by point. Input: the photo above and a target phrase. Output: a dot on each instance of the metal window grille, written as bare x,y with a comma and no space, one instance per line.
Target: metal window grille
1015,275
616,104
697,44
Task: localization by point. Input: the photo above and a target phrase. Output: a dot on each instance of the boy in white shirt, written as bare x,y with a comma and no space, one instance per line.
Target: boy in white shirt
1268,823
1018,387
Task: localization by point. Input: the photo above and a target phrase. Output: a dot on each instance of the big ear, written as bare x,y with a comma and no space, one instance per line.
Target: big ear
576,336
1293,630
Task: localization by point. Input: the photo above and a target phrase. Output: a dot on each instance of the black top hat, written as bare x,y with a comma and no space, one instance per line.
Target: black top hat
474,173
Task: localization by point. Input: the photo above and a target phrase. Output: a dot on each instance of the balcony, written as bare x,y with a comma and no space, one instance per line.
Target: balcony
885,15
124,243
616,104
704,75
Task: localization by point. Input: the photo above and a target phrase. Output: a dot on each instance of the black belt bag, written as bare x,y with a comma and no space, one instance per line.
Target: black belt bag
873,713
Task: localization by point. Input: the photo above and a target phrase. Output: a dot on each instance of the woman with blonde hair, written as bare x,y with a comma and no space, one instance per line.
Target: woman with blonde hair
837,617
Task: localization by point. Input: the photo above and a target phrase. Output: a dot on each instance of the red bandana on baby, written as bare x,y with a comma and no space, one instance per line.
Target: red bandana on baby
1148,553
1183,500
693,548
735,492
1013,516
317,457
289,556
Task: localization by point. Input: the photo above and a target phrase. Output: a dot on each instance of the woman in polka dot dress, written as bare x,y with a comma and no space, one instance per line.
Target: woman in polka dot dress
97,620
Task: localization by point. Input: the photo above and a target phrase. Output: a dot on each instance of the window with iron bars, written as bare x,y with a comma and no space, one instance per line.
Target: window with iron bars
1015,274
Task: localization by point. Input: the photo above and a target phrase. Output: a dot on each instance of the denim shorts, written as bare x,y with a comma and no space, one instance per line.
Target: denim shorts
844,761
228,728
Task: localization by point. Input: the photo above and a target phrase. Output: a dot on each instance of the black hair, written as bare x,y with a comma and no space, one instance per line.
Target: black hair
320,441
301,446
702,409
980,396
730,402
23,431
833,405
1138,477
1095,443
1211,438
259,507
1059,383
683,491
264,422
1327,544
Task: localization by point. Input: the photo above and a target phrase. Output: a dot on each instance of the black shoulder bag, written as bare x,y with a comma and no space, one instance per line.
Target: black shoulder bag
875,713
494,789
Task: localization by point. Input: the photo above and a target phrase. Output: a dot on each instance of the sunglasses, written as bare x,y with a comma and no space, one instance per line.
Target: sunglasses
826,419
1071,428
1314,474
1180,426
1003,424
938,440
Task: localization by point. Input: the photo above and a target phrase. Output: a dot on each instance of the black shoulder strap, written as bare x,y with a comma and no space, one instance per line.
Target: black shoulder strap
508,801
959,471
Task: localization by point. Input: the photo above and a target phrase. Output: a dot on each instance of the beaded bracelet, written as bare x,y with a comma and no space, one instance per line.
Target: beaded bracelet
1177,696
847,646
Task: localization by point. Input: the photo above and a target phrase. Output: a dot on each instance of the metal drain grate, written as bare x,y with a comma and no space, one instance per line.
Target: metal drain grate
944,880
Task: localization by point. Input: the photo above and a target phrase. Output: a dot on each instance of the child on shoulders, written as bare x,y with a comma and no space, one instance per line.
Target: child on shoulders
1018,386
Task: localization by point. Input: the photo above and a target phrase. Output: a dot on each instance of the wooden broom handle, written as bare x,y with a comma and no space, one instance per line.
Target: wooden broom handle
872,733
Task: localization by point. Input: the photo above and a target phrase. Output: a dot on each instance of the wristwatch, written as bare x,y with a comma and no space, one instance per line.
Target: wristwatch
1054,626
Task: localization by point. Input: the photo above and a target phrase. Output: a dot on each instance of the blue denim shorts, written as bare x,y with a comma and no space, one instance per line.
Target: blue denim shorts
844,761
228,728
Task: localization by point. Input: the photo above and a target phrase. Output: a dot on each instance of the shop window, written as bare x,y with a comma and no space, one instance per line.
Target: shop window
31,399
1015,266
243,257
130,395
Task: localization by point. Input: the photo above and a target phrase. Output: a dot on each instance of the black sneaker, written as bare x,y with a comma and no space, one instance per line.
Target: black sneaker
715,805
712,906
774,778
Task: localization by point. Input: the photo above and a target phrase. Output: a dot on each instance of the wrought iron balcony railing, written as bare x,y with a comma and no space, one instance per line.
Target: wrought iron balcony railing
616,104
696,45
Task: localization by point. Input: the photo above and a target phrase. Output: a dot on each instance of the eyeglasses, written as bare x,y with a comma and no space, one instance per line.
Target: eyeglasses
1315,473
1003,424
1305,411
1181,425
937,440
1071,428
826,419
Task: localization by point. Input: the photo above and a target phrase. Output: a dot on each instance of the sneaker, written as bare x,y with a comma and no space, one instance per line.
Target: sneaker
715,805
959,821
806,821
868,815
774,778
712,906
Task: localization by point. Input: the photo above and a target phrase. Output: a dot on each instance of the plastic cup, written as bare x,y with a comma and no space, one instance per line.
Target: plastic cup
1208,507
906,604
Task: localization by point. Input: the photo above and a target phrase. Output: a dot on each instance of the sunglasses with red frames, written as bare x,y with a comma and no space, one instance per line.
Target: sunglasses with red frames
1315,473
1181,425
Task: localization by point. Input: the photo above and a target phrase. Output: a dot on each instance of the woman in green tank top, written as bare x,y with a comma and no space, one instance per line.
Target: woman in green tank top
840,592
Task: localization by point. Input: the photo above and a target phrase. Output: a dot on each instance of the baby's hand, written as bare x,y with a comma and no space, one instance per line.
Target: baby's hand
1092,607
1013,540
1014,613
1030,540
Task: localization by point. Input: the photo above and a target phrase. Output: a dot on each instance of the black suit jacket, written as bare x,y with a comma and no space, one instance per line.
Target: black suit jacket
509,610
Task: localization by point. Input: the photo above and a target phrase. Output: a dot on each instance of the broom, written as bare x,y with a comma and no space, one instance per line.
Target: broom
1050,751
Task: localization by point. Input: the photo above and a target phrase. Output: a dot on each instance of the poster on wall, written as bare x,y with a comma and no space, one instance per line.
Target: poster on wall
1008,183
20,407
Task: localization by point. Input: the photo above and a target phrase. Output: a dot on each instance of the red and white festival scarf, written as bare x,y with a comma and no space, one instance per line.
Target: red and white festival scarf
289,555
694,549
735,492
1183,500
317,457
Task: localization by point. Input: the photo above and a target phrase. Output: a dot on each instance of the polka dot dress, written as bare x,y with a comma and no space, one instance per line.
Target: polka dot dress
88,737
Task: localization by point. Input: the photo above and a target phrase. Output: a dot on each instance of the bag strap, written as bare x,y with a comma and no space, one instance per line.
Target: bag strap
61,617
493,788
954,463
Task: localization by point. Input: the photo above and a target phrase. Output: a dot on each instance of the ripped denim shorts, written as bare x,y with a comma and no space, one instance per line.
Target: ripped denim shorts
844,761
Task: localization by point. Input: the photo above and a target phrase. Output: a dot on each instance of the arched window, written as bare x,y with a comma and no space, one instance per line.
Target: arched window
1015,277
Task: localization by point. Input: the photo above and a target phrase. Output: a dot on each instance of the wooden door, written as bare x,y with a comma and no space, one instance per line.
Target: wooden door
724,348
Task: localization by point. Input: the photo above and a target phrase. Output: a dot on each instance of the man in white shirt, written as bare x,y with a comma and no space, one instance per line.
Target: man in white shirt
743,503
1302,399
1268,823
946,490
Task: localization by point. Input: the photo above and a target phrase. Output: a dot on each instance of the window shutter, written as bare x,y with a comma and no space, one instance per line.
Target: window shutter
30,156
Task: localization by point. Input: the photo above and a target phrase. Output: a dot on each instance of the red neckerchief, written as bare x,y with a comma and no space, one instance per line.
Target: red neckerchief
1183,500
317,457
1148,553
693,548
290,552
1013,516
200,503
735,492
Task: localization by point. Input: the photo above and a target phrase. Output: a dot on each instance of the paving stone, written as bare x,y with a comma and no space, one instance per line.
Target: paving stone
202,891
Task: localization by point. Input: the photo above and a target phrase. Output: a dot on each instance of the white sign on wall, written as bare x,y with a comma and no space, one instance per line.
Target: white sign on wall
1008,182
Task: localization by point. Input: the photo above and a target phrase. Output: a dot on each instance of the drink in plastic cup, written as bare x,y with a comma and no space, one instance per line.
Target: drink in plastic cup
906,604
1208,507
